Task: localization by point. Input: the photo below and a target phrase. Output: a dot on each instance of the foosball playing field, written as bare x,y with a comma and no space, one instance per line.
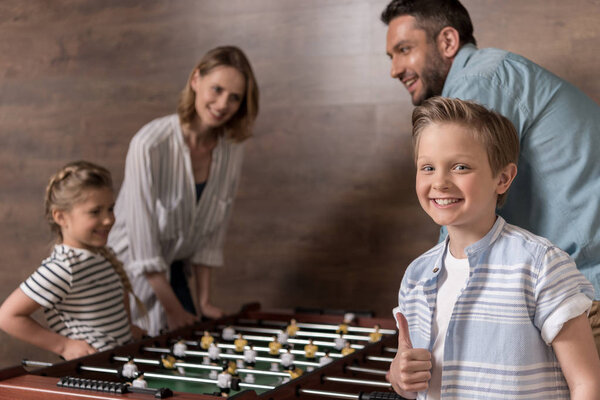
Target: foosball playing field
250,355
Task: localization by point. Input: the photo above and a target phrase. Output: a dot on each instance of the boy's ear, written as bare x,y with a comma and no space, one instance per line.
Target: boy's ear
505,178
448,42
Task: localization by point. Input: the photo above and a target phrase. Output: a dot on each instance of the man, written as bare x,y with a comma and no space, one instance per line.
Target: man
557,190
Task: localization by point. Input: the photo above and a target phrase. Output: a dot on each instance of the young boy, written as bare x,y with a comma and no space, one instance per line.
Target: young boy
493,311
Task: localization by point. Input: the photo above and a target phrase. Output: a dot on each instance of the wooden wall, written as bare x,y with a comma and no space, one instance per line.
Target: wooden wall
326,215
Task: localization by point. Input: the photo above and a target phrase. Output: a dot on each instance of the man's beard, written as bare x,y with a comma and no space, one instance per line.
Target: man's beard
433,76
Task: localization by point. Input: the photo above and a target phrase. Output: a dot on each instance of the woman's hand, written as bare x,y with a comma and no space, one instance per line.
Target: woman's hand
76,348
410,370
180,319
209,311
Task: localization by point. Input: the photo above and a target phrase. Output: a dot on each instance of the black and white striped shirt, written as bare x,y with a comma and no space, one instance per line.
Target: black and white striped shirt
82,296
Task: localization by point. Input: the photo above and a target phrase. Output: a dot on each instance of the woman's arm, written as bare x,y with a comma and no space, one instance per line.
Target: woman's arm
15,319
177,316
575,349
203,274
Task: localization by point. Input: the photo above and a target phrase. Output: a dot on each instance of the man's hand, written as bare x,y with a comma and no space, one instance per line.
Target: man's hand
410,370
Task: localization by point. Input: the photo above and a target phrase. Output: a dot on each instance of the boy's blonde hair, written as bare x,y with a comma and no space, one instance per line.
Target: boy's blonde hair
66,188
495,132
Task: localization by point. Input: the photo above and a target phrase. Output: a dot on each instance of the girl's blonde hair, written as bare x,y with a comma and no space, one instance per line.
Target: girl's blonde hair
69,186
239,127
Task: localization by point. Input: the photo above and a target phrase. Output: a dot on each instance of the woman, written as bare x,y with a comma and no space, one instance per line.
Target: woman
181,175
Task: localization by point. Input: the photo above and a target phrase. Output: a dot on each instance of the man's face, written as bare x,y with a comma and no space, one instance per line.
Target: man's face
416,60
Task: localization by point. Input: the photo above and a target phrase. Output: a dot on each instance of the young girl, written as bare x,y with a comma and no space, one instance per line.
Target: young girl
81,285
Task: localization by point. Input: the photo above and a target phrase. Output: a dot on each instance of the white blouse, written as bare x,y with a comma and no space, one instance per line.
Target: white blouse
158,219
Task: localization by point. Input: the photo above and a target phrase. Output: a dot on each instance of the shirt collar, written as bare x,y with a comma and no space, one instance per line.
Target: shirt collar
488,239
460,61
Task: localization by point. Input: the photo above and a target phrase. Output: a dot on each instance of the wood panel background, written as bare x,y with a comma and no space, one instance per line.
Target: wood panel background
326,215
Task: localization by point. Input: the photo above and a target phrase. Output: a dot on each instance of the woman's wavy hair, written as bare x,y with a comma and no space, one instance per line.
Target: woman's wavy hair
239,127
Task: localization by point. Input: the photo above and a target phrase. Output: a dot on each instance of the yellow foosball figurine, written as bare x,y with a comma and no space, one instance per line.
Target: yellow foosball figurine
292,329
310,350
295,373
347,349
343,327
240,344
375,336
274,347
206,340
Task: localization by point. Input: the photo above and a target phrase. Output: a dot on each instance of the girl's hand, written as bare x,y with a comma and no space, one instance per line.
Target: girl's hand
137,333
410,370
76,348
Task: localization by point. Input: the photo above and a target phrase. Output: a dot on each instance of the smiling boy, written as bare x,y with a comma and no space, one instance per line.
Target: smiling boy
492,311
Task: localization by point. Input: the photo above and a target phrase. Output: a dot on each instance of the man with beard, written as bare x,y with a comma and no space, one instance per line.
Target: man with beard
556,193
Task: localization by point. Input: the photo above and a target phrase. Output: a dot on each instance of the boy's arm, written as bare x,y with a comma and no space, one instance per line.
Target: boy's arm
15,319
575,349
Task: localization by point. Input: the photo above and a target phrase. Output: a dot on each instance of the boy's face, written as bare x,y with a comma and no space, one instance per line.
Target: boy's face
455,184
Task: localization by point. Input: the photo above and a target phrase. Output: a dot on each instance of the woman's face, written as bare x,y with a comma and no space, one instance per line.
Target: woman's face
218,95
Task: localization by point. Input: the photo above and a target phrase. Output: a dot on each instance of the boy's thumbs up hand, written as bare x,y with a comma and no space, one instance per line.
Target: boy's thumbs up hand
410,370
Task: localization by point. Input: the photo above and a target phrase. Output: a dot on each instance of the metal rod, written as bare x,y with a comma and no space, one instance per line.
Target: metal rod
376,358
326,327
366,370
29,363
323,393
357,381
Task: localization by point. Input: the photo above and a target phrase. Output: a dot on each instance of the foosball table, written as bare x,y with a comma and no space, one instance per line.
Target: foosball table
251,355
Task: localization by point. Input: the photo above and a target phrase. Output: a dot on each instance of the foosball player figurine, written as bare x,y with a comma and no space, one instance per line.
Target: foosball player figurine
214,353
179,348
250,357
287,359
347,349
167,361
343,327
224,382
292,328
140,382
375,336
274,348
282,337
325,359
232,369
228,334
206,340
310,350
339,342
240,344
129,370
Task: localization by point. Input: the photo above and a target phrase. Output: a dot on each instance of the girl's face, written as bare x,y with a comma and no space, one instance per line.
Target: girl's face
219,95
87,224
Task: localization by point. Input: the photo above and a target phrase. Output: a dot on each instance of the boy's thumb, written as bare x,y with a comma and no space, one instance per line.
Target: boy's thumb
403,333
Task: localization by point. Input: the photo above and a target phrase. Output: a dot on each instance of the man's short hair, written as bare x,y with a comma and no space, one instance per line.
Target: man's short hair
432,16
496,132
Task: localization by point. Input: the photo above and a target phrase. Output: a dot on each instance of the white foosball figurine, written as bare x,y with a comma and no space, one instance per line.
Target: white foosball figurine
282,337
228,334
239,363
287,359
213,374
250,356
325,359
179,349
130,370
339,342
224,382
249,378
139,382
214,353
